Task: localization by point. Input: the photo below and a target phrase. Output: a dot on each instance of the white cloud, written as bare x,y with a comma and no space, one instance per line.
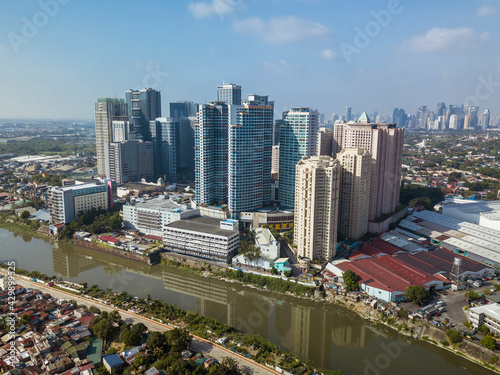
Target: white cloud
328,54
486,11
282,67
208,9
437,39
286,29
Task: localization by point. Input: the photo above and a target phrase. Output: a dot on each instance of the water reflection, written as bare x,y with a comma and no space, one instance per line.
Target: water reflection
330,335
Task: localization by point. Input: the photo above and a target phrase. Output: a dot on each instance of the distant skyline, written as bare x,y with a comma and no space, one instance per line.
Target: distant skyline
58,56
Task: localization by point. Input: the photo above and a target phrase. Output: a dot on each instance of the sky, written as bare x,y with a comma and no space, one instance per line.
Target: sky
58,56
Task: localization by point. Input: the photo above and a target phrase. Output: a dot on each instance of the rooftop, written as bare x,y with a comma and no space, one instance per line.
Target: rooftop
161,204
202,224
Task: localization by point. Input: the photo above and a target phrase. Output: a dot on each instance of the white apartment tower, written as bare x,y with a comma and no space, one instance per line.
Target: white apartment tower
317,183
354,192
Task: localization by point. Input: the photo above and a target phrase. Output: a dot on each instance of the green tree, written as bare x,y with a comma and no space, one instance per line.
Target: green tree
179,339
115,221
228,366
483,329
489,342
156,340
103,329
25,319
250,252
350,280
115,317
454,336
25,214
417,294
131,338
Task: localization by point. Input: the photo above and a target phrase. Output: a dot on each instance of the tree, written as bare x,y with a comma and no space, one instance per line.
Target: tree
25,319
228,366
250,252
350,280
179,339
131,338
489,342
483,329
454,336
115,317
103,329
417,294
156,340
115,221
139,327
421,201
25,214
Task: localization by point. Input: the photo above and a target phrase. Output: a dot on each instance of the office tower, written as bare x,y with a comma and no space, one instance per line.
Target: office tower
467,125
275,163
229,93
485,121
183,109
106,111
211,153
399,117
66,203
322,119
316,207
143,106
453,122
130,161
185,149
354,192
473,111
297,140
121,130
348,114
164,135
278,123
250,154
422,114
441,109
385,143
324,142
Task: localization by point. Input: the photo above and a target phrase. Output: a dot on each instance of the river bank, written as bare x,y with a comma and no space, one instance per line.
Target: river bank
324,332
254,347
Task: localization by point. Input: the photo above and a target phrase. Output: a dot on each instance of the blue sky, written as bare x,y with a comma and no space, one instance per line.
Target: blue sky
58,56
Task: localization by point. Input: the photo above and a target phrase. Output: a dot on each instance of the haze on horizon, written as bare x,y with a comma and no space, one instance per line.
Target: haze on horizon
58,56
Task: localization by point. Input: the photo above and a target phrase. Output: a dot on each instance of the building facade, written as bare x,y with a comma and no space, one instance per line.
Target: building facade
250,154
229,93
151,216
297,140
316,207
164,135
129,161
143,106
325,142
203,237
211,153
66,203
385,143
106,111
354,192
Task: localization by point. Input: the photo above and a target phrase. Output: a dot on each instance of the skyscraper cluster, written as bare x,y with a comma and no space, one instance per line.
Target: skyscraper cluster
134,142
336,179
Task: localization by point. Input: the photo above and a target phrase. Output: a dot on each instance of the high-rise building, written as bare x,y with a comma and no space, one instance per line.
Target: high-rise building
143,106
441,109
250,154
422,114
164,135
399,117
106,111
485,121
185,149
385,143
453,122
183,109
348,114
66,203
121,131
354,192
297,140
472,111
275,161
324,142
229,93
278,123
130,161
211,153
316,207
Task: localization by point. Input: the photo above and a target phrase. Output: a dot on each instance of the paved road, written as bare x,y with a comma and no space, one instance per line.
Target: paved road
198,343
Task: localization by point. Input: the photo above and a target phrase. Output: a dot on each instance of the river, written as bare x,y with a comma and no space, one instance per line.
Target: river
329,335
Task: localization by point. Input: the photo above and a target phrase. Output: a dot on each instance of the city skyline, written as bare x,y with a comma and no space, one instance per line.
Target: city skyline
55,64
